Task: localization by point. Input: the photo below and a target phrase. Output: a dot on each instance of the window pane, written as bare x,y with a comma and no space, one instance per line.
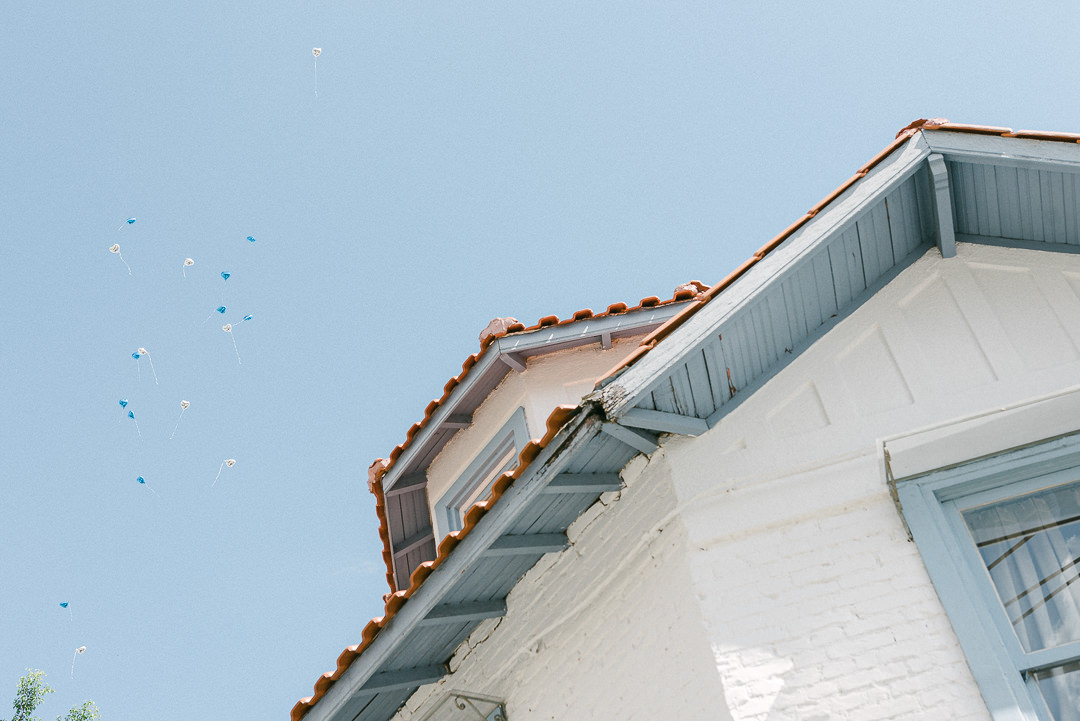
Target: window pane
1030,545
1060,688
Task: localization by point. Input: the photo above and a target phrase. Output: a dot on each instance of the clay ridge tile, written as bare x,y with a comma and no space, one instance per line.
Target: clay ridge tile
396,600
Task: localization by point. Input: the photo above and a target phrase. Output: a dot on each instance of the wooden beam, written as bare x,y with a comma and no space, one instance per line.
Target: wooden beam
402,679
413,541
644,442
464,612
407,484
663,422
584,483
514,361
946,228
533,543
605,340
460,420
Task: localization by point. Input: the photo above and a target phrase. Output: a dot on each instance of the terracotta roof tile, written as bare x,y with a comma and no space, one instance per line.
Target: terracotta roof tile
561,415
394,601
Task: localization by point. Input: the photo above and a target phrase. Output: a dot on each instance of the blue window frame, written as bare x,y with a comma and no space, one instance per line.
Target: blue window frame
1000,537
474,484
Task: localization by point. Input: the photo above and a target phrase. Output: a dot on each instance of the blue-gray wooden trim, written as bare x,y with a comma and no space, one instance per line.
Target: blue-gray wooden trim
1014,243
458,421
584,483
514,361
857,234
403,678
753,384
930,504
644,442
513,434
1007,152
490,369
663,422
414,541
535,543
463,612
1003,690
578,435
946,231
407,484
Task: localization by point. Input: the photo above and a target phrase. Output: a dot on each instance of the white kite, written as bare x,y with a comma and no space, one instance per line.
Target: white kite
80,649
184,405
228,462
228,329
115,248
188,262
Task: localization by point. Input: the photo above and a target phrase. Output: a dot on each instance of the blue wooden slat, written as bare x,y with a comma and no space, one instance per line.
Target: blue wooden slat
1072,208
1008,198
896,216
777,315
700,384
1031,204
989,215
926,210
684,393
810,303
763,347
755,348
664,397
1046,196
825,288
648,402
956,191
846,258
714,363
970,196
1058,185
796,293
874,241
731,355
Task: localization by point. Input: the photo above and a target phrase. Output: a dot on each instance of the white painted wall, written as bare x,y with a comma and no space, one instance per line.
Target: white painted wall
549,380
761,571
816,604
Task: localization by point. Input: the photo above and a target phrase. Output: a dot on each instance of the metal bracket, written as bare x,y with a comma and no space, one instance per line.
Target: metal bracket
475,706
465,703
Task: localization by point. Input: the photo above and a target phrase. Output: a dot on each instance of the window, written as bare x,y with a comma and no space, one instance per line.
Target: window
498,456
1001,539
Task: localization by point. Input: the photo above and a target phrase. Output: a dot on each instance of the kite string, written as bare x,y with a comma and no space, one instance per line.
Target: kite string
316,77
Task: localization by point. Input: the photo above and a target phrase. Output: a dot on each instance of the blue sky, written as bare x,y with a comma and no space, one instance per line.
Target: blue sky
461,161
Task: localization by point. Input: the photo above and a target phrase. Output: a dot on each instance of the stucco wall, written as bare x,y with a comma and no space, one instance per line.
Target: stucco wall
608,629
548,381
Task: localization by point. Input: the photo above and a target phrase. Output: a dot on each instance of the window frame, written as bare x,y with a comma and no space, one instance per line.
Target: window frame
931,504
483,468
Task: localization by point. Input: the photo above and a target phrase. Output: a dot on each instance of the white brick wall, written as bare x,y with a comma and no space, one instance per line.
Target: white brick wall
609,629
826,610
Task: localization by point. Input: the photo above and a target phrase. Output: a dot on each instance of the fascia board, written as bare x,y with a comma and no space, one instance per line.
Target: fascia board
590,328
495,523
997,150
444,412
527,343
641,378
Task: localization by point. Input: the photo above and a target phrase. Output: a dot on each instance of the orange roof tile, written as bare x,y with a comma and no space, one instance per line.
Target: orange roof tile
394,601
562,414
